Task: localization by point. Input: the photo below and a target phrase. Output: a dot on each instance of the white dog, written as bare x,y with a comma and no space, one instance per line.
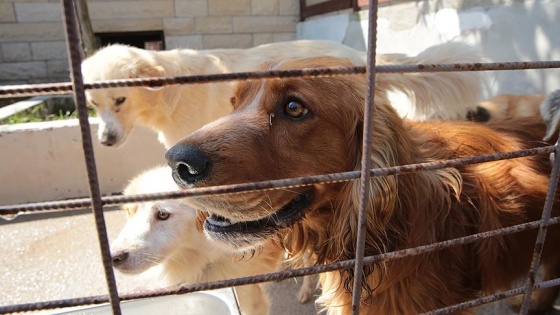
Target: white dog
550,112
176,111
164,236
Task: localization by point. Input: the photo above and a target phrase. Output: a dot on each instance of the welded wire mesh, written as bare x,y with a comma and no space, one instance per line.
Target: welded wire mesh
97,202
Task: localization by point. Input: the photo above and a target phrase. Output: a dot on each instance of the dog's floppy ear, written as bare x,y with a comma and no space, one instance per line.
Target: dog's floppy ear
379,235
381,198
143,68
386,196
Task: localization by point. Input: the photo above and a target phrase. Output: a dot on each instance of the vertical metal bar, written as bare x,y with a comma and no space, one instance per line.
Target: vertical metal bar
366,156
541,236
73,48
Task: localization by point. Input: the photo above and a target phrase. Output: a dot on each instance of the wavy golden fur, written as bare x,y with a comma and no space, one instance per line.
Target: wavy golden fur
300,127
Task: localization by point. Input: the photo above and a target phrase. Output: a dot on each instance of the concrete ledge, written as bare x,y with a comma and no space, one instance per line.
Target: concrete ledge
15,108
44,161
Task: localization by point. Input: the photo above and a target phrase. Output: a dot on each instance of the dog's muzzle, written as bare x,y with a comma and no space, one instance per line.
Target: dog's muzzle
109,139
119,258
289,214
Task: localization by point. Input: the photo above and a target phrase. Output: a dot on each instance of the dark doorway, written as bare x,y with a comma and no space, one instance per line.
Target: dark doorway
152,40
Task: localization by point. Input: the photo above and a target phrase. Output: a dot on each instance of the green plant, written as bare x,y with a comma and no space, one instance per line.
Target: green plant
41,113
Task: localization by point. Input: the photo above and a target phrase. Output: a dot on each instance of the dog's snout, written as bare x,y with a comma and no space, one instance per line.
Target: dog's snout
189,164
108,139
119,257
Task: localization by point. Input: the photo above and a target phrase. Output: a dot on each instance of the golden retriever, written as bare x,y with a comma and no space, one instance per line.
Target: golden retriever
507,106
308,126
176,111
163,236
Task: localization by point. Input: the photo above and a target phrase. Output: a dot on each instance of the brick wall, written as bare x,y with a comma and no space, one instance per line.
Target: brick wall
32,47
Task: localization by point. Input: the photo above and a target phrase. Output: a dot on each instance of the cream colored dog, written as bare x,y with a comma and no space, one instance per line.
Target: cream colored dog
176,111
164,236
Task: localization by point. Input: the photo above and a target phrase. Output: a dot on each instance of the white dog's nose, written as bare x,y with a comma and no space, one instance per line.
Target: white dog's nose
108,138
119,257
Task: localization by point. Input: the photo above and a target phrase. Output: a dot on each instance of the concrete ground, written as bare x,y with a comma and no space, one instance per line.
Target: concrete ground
56,256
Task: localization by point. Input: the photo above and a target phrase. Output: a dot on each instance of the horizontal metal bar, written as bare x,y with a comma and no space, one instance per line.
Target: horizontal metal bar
66,87
11,210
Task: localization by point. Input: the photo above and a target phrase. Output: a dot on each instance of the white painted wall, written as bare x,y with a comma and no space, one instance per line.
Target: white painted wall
512,31
44,161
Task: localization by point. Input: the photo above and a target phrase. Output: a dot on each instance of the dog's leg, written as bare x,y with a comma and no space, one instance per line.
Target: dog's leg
542,300
308,287
253,299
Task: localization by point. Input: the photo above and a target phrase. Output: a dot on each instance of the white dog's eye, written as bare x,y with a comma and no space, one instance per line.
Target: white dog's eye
120,100
295,109
162,215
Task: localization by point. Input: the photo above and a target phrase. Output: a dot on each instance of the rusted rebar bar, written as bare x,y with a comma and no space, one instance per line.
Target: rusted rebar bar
65,87
367,135
73,48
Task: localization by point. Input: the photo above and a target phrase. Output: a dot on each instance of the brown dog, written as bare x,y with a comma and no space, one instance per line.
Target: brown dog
507,106
300,127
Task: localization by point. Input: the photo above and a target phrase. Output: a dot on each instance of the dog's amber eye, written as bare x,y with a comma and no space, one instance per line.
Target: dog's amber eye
92,104
120,100
163,215
295,109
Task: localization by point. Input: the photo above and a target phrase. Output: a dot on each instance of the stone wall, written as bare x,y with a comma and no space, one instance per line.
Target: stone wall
32,47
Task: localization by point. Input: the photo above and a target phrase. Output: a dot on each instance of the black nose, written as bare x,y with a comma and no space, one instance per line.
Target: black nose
119,257
108,139
188,163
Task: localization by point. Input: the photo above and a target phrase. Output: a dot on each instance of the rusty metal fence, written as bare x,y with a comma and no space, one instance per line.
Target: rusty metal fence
97,202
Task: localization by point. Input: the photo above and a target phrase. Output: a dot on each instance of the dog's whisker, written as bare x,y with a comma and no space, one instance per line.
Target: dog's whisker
158,258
